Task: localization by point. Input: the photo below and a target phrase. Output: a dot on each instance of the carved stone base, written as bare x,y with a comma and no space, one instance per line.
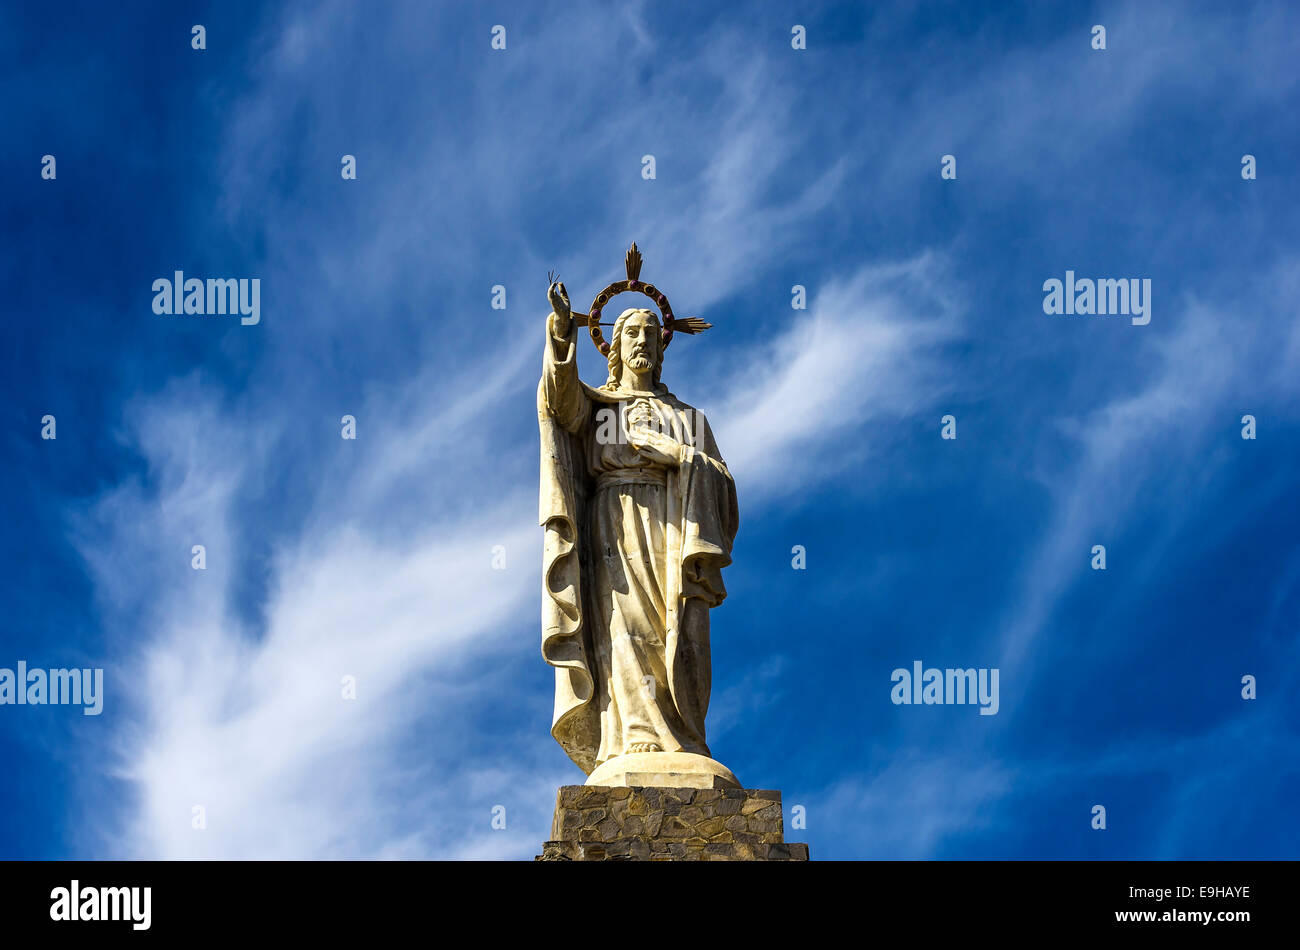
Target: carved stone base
602,823
664,770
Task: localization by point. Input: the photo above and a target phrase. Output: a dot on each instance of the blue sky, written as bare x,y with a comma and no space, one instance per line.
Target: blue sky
774,167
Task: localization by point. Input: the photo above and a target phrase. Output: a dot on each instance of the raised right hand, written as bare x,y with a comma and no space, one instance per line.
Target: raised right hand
559,298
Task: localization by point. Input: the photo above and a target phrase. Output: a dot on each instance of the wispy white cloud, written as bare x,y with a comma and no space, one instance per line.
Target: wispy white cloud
917,802
759,688
1021,113
909,807
869,349
1159,430
254,726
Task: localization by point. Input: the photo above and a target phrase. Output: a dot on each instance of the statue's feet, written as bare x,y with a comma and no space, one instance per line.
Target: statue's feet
635,747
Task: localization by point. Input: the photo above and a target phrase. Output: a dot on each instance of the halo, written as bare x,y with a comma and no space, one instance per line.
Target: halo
626,286
635,285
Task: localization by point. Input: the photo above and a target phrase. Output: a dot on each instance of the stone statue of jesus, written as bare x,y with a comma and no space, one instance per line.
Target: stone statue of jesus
639,513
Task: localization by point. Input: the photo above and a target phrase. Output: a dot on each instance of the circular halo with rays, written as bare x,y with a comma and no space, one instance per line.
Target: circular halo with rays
634,284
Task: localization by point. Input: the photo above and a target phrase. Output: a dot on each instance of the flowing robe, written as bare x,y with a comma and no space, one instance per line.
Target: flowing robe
632,563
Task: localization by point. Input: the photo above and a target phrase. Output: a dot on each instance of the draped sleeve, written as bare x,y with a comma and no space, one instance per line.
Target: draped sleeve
563,408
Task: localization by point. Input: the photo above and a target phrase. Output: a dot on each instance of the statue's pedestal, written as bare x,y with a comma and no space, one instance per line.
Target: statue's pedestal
635,823
664,770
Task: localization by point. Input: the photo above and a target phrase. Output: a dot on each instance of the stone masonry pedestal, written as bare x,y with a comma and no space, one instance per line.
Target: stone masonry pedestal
634,823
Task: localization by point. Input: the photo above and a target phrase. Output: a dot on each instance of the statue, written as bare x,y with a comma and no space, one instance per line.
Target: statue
639,513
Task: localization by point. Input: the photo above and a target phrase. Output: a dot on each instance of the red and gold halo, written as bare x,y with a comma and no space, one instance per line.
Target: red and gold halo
634,284
626,286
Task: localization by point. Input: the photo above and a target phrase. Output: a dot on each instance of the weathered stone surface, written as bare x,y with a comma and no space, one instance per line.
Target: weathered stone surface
631,823
608,829
653,823
673,827
710,827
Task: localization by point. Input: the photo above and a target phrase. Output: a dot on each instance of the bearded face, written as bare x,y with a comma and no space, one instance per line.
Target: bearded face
640,341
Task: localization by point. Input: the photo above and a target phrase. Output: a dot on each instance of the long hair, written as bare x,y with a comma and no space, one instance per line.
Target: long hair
616,351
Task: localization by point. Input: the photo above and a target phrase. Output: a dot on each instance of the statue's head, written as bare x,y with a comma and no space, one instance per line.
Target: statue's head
637,343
